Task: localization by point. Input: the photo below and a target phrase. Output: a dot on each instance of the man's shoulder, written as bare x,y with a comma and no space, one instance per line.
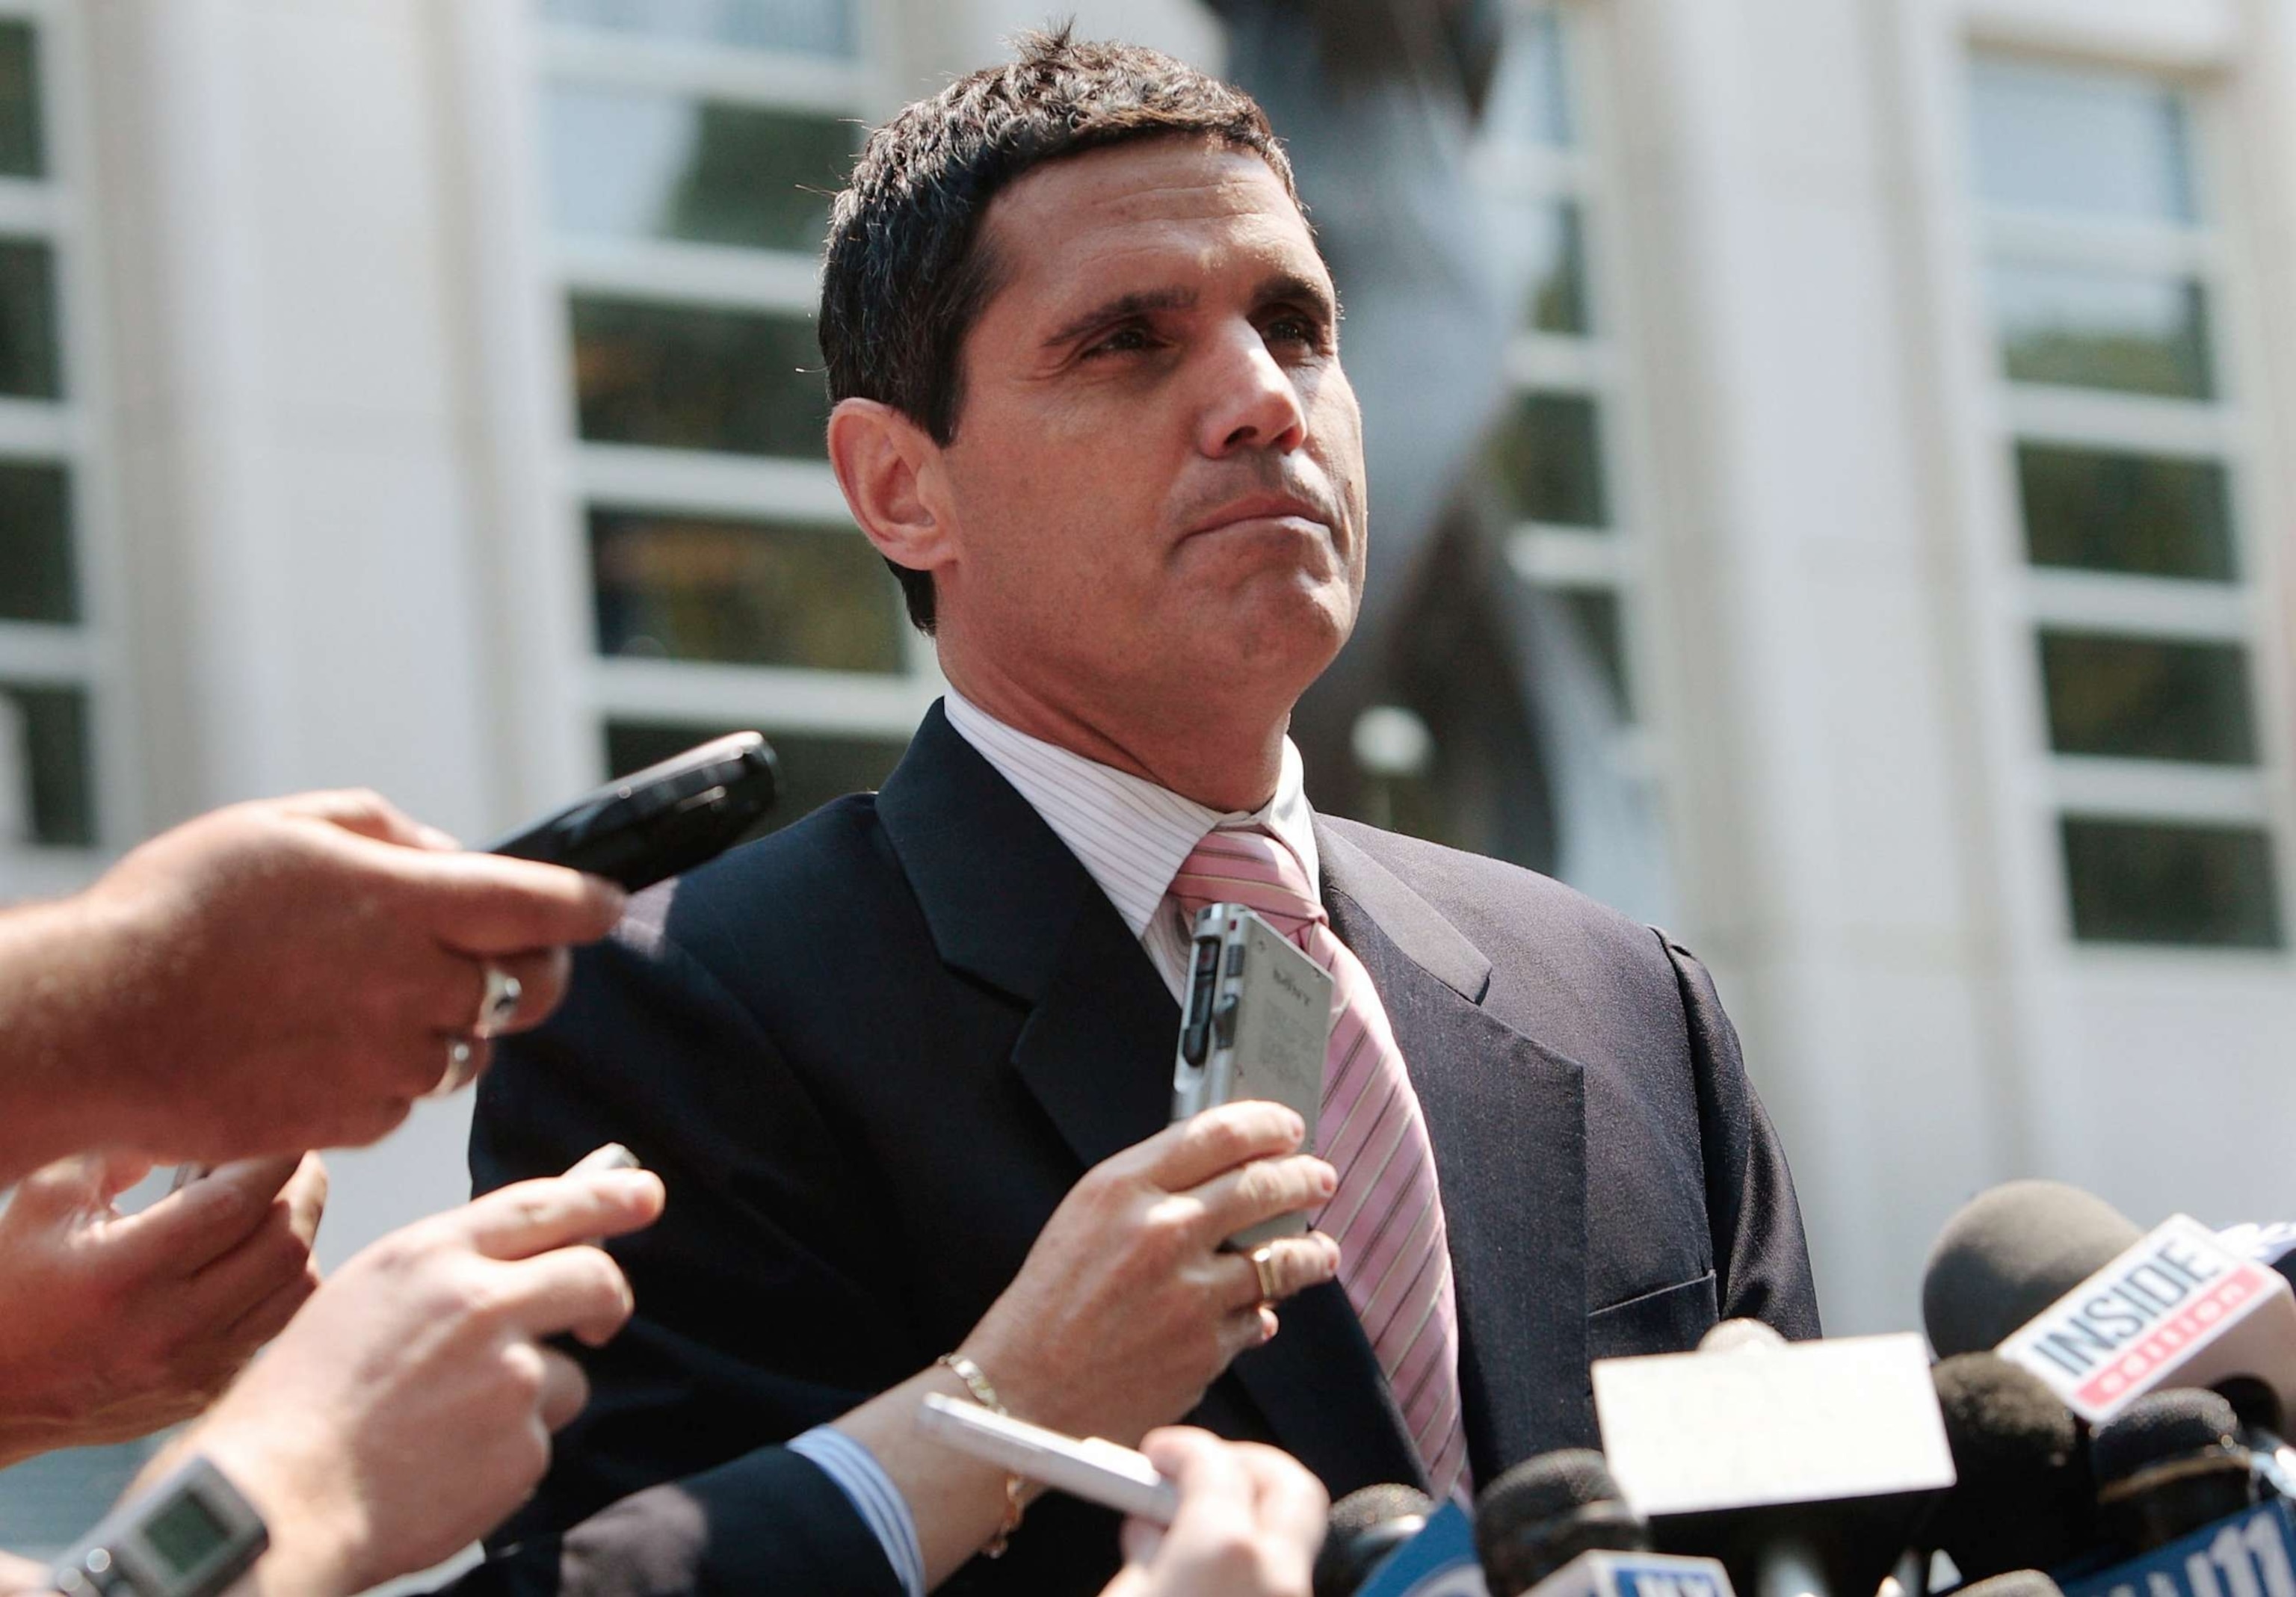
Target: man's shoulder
798,883
1492,899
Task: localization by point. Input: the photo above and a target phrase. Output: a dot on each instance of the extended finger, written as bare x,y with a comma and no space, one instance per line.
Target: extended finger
483,904
191,1228
1215,1489
1294,1263
565,1389
541,976
275,1256
72,1185
534,1217
454,986
1205,1145
268,1316
576,1290
1262,1190
1242,1329
369,814
1294,1509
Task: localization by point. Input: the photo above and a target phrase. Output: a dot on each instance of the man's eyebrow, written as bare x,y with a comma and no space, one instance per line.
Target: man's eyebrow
1291,285
1121,308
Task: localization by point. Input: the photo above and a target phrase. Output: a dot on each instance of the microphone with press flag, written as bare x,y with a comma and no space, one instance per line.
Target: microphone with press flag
1804,1469
2057,1281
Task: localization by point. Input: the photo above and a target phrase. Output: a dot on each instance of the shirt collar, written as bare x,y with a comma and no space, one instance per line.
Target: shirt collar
1130,834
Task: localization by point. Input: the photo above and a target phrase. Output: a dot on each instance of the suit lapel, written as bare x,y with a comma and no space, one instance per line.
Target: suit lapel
1010,905
1507,1119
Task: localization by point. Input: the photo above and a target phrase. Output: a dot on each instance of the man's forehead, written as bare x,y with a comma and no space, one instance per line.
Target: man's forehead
1145,199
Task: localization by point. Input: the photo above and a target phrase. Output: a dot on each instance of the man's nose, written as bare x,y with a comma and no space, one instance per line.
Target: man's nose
1249,402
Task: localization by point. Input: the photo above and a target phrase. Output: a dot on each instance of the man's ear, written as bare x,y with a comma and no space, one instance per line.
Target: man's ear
888,468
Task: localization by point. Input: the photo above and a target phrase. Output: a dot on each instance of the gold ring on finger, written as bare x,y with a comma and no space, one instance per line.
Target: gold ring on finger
1263,1264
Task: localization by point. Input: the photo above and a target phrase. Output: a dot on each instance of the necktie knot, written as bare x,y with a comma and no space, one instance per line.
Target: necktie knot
1253,868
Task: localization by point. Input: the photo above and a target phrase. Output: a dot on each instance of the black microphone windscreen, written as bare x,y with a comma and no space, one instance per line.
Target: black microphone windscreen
2169,1463
2011,1252
1366,1526
2181,1423
1545,1511
2013,1583
2256,1404
2022,1496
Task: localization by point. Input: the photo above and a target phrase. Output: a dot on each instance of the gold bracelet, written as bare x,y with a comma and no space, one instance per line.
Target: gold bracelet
1015,1504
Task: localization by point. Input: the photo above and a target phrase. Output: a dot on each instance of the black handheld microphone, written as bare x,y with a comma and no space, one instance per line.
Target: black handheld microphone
2022,1497
2172,1462
1545,1511
1366,1527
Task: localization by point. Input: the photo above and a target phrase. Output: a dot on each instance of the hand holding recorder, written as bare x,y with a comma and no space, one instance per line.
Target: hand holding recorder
1128,1306
268,978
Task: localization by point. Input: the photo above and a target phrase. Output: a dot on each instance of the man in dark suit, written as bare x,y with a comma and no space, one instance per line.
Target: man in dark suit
1091,409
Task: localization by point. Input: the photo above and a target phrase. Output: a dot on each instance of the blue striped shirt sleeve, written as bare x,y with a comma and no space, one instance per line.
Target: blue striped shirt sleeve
875,1498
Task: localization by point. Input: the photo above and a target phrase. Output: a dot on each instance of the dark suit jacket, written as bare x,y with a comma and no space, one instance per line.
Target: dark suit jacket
869,1053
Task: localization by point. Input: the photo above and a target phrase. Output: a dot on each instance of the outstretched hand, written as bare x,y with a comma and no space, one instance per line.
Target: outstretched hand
120,1324
409,1408
1250,1523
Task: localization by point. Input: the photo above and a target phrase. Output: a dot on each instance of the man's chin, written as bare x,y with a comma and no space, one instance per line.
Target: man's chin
1287,627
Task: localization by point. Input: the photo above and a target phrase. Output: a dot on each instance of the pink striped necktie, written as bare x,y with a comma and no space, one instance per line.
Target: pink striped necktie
1387,1216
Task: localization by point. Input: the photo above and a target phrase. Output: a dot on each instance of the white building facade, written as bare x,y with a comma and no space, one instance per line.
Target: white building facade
422,394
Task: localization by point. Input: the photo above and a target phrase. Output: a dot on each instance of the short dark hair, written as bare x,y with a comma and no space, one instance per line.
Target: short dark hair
906,276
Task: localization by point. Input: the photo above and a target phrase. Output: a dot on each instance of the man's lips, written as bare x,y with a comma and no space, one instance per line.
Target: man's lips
1267,508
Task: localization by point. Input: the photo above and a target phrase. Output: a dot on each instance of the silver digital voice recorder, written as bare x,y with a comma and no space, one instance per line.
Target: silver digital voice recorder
1258,1018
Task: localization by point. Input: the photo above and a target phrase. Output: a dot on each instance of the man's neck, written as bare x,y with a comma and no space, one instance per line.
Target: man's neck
1228,763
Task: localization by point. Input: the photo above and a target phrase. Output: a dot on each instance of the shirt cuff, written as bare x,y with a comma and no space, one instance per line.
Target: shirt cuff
875,1498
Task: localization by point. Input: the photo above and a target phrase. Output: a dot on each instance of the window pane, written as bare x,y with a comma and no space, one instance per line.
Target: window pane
1547,456
20,154
749,592
654,166
679,377
28,321
1597,613
1529,101
38,582
814,768
2104,511
51,800
2147,698
2103,329
2136,882
816,27
1558,295
2104,144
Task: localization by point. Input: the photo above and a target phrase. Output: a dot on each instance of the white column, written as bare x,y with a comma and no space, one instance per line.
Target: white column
297,426
1830,847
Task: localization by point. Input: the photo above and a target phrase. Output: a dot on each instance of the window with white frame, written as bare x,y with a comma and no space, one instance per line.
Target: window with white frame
48,657
1551,458
2125,427
692,146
